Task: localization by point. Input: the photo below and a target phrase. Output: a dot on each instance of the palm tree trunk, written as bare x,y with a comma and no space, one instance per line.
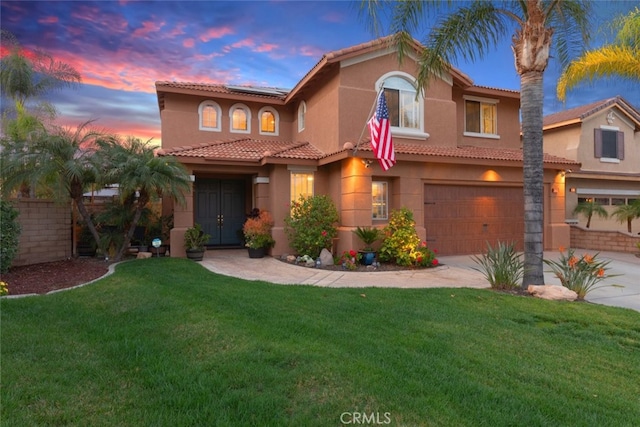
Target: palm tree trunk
87,220
533,171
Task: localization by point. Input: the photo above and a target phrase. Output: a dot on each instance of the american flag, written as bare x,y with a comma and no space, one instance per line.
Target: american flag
381,141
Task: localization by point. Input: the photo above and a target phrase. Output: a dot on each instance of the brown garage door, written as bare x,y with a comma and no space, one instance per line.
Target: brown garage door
462,219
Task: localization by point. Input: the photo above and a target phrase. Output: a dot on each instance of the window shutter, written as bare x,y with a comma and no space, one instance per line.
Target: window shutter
597,143
620,142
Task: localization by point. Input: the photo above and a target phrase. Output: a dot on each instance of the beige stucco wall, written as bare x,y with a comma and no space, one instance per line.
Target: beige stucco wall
631,161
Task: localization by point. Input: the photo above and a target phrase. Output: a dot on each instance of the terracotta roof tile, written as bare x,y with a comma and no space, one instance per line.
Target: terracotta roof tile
246,149
467,152
266,92
582,112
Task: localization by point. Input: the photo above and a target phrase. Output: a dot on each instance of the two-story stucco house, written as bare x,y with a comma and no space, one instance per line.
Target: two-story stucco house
605,138
457,145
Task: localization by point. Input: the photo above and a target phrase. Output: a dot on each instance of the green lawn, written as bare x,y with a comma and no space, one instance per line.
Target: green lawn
164,342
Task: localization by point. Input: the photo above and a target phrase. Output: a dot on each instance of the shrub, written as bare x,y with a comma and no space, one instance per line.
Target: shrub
581,275
257,230
349,260
9,235
311,224
401,244
502,266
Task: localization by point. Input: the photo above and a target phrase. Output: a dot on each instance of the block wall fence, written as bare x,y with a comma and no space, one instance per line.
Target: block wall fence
614,241
46,231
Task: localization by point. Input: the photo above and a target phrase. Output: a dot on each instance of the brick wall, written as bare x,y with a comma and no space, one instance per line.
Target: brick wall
46,231
597,240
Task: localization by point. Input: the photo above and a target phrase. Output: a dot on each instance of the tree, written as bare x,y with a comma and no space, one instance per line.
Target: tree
473,29
61,162
589,208
620,58
142,177
25,76
627,213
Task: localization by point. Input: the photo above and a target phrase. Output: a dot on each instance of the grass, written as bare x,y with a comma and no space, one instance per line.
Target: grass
165,342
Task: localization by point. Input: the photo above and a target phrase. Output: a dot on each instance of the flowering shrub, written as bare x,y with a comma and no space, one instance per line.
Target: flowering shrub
422,256
257,230
4,288
349,259
401,244
581,275
311,224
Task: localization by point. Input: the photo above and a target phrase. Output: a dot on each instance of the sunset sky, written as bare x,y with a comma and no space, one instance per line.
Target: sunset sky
121,48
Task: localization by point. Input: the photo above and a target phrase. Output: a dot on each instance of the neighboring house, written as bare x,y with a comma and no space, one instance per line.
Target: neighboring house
605,138
459,157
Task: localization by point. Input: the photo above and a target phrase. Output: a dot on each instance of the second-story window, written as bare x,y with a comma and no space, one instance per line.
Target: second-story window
481,117
405,105
269,121
240,116
404,110
608,144
209,116
302,113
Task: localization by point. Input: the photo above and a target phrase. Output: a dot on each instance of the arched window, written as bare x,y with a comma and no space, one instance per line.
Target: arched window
269,121
240,117
406,111
209,116
302,113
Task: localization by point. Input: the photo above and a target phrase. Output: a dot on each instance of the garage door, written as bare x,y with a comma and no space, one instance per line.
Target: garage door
462,219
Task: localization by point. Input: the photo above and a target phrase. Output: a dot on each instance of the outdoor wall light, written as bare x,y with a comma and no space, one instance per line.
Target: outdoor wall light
366,163
192,178
572,190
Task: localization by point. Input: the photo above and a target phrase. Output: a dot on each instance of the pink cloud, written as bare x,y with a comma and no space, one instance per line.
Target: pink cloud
49,20
147,28
215,33
266,47
188,42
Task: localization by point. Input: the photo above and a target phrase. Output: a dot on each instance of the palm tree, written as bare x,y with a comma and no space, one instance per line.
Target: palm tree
23,77
473,30
589,208
621,58
62,163
627,213
142,176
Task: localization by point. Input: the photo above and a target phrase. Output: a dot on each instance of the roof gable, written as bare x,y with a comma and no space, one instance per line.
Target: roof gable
579,114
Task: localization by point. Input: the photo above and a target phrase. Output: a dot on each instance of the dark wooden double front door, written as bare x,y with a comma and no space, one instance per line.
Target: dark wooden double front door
220,210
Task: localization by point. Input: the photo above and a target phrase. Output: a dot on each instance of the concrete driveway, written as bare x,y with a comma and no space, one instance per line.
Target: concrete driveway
455,272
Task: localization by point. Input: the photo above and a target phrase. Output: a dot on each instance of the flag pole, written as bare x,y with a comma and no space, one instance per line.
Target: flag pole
375,102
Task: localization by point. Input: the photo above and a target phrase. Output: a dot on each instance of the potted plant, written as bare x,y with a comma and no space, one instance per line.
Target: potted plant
257,233
368,235
194,241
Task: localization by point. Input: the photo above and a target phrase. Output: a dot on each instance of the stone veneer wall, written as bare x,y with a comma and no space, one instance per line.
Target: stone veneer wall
597,240
46,231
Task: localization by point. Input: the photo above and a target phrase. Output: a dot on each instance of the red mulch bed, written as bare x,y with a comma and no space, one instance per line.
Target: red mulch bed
50,276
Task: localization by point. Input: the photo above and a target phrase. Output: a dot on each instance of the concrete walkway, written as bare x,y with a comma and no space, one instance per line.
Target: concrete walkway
454,272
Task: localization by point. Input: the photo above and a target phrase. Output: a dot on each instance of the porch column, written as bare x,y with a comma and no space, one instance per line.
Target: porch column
182,219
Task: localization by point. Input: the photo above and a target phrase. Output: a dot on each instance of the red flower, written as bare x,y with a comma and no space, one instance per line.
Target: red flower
419,259
352,253
324,233
434,262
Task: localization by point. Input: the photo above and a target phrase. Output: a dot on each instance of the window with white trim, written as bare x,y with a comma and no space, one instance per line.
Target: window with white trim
209,116
269,121
301,184
480,117
608,144
406,109
302,115
379,200
240,118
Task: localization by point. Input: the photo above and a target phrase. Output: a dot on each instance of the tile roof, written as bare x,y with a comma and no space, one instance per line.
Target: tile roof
259,91
246,149
582,112
468,152
252,150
